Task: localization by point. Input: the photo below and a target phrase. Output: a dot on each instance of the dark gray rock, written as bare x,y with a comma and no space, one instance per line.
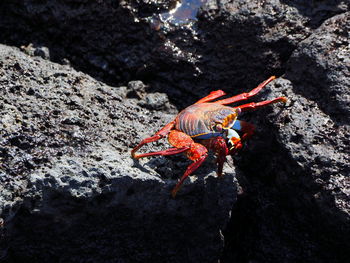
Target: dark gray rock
233,46
146,8
298,189
70,190
246,41
316,130
93,36
33,50
320,68
319,146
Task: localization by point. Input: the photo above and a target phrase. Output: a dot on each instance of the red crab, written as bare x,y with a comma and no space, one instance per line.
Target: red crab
208,125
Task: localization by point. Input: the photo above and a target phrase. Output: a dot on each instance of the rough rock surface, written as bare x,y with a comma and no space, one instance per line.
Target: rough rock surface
294,174
67,176
234,45
320,72
301,198
245,41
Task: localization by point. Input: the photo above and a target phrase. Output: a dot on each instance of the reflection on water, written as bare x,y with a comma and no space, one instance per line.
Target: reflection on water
184,12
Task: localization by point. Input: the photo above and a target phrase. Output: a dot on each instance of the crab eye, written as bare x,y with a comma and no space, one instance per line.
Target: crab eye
218,127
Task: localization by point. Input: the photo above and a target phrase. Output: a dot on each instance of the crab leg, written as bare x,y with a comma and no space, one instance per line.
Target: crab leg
170,151
256,105
219,146
196,152
245,96
190,169
212,96
159,135
221,151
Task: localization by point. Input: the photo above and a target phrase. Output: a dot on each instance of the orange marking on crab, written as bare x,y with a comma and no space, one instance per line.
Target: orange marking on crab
208,125
230,119
196,152
179,139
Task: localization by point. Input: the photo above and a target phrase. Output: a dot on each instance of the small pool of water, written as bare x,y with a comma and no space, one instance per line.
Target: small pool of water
184,12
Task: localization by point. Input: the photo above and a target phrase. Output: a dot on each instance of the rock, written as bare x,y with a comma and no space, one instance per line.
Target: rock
145,8
136,89
302,171
320,68
244,42
69,184
317,132
93,36
43,52
233,46
36,50
155,101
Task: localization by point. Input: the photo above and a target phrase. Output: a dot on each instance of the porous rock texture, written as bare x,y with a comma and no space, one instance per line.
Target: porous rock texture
67,176
293,174
302,197
109,40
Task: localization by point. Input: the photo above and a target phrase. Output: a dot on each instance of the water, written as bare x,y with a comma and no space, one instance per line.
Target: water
184,12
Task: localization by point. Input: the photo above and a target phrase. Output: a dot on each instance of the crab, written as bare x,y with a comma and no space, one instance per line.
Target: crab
208,125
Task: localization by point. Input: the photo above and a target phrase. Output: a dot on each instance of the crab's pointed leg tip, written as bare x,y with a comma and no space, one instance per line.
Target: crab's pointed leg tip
273,77
284,99
134,156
